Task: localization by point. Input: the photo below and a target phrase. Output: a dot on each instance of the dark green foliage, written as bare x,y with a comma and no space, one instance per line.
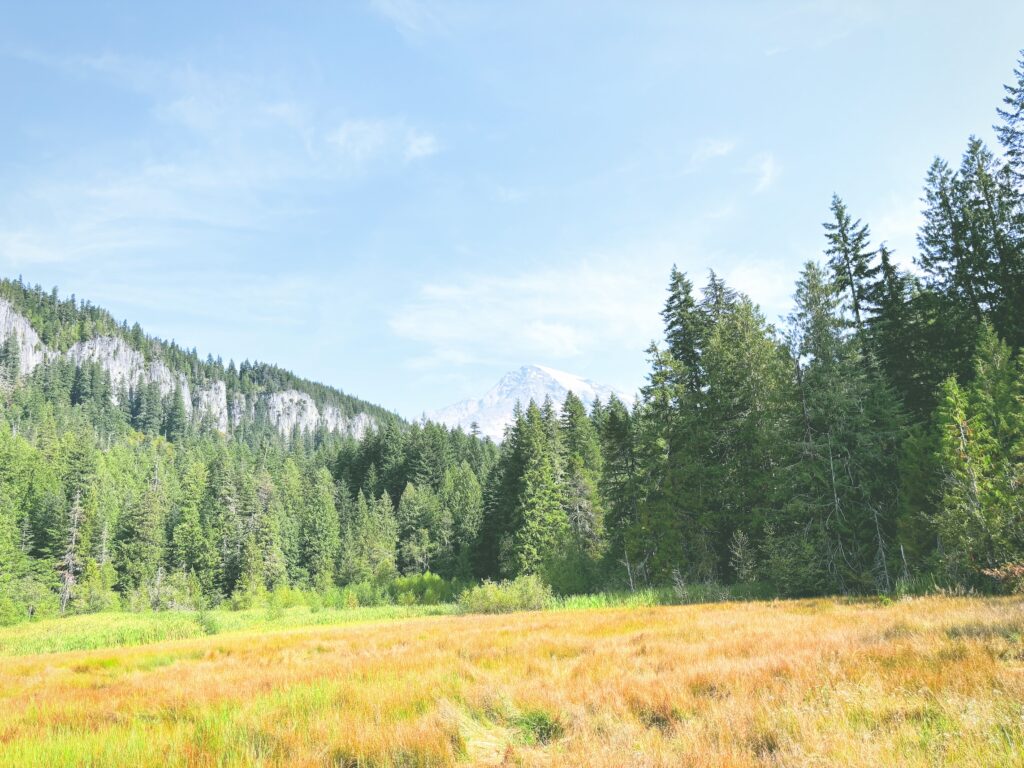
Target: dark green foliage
850,259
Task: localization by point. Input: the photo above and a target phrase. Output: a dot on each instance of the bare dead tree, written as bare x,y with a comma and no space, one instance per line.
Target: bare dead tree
69,562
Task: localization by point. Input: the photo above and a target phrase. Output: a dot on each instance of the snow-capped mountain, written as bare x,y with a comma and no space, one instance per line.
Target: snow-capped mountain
493,411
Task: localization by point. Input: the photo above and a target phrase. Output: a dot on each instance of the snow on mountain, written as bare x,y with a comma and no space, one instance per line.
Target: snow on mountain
493,411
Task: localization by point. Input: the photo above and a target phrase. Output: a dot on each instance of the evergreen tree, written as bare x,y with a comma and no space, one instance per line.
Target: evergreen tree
841,493
461,499
192,549
175,418
539,524
584,506
319,535
424,529
1011,130
620,487
369,541
10,364
850,258
141,541
980,520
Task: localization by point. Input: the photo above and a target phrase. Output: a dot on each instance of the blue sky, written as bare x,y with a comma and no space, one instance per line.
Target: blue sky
407,199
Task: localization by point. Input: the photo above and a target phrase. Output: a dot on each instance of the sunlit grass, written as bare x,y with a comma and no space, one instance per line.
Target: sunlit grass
930,681
110,630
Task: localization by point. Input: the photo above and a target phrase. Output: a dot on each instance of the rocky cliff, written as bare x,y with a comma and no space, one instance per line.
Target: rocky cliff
32,351
287,410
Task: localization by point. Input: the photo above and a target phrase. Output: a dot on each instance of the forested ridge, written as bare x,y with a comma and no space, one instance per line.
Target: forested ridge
61,323
873,442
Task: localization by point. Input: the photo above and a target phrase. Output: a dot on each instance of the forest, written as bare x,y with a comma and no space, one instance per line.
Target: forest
872,443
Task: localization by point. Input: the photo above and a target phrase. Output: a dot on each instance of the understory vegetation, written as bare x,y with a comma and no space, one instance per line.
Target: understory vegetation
873,443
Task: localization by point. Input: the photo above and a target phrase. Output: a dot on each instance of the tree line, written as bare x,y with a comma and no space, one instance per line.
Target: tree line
872,441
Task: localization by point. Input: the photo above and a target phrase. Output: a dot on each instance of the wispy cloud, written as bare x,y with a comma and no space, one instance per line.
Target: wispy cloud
362,141
710,149
412,18
767,170
239,144
769,282
898,224
418,144
554,313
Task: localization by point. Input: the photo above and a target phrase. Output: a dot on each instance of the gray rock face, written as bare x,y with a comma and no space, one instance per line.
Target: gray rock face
127,366
212,402
32,351
239,410
291,408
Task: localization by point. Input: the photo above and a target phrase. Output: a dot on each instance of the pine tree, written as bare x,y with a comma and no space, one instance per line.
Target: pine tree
620,487
141,541
503,488
684,327
970,248
319,536
192,549
10,364
584,506
175,418
1011,131
850,258
461,498
981,427
840,494
539,526
70,564
660,541
424,532
223,515
369,541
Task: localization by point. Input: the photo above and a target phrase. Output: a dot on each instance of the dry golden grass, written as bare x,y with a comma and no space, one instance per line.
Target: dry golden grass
934,681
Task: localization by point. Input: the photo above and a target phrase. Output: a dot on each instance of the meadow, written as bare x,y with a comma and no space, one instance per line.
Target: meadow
923,681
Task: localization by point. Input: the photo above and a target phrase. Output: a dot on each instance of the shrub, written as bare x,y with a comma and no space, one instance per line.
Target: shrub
27,598
526,593
248,595
423,589
791,562
703,592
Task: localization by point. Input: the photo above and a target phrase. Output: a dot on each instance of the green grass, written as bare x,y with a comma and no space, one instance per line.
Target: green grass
120,629
116,629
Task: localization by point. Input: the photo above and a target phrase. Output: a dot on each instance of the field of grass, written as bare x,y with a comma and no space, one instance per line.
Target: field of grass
929,681
114,630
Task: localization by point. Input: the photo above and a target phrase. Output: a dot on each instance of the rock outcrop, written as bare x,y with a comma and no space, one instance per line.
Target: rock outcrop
127,367
31,350
290,409
211,402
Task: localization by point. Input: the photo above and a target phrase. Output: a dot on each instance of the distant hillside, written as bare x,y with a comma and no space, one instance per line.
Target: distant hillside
46,329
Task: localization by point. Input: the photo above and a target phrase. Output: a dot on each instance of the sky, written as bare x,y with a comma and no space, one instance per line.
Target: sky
407,199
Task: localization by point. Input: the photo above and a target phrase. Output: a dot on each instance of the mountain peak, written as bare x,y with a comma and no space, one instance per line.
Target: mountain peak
493,412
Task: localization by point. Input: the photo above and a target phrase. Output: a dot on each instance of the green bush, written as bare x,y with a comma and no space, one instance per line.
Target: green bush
539,727
423,589
526,593
360,595
27,598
